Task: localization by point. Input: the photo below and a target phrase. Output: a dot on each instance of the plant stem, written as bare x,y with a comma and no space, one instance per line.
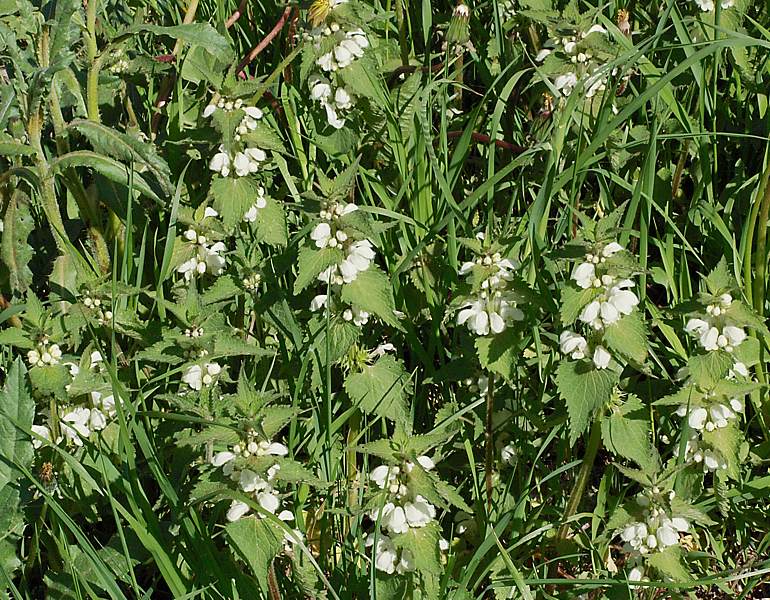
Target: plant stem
489,457
92,84
594,443
272,583
402,42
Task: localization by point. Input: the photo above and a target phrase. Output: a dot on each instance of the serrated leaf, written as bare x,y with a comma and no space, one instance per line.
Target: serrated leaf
232,197
669,563
584,389
626,432
17,410
628,337
372,291
573,299
14,248
271,223
499,353
719,280
381,388
332,340
726,441
709,368
423,543
257,541
311,262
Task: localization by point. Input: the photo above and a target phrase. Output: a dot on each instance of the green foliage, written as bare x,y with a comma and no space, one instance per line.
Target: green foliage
585,390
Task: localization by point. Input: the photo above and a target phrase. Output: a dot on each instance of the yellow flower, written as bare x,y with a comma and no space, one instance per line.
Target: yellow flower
318,12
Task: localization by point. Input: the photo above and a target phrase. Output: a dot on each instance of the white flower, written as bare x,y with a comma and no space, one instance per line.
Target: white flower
222,458
697,418
74,425
42,431
566,83
318,302
612,247
332,117
356,315
601,357
360,256
97,420
343,99
220,162
322,234
419,512
508,454
393,518
237,510
196,376
253,112
384,475
573,344
320,90
209,110
584,274
543,54
385,556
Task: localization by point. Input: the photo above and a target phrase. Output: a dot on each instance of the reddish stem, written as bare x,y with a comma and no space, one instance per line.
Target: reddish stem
236,15
485,139
266,41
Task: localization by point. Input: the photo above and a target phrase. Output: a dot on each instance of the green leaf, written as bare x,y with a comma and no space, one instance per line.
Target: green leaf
198,34
628,337
726,441
499,353
200,65
626,432
573,299
338,334
110,168
669,563
232,197
311,262
372,291
381,388
719,280
271,223
15,251
422,542
584,389
126,148
17,410
709,368
14,336
257,541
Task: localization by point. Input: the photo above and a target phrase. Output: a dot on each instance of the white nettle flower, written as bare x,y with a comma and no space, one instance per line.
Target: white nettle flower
359,256
573,344
509,454
384,475
358,316
74,425
43,432
667,533
491,312
196,376
220,162
251,215
584,274
709,5
566,83
617,300
601,357
386,557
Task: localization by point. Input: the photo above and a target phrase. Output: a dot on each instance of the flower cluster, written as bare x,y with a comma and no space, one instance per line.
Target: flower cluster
494,307
656,529
585,66
199,375
577,347
401,511
331,233
45,354
207,256
709,5
336,48
260,487
614,299
95,305
715,330
245,162
354,314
